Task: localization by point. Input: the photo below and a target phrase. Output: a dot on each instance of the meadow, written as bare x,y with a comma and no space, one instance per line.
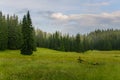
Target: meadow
46,64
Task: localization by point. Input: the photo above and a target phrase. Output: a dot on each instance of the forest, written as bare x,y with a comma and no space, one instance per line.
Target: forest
11,38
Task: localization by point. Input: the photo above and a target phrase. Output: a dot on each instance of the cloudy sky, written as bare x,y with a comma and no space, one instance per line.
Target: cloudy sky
67,16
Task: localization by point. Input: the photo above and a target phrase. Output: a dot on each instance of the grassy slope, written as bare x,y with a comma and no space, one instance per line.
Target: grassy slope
48,64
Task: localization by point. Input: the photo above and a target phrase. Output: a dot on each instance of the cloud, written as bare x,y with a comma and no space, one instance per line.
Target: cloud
44,14
88,19
97,4
59,16
82,22
22,11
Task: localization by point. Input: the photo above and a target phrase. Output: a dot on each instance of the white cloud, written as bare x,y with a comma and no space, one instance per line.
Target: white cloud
88,22
59,16
97,4
89,19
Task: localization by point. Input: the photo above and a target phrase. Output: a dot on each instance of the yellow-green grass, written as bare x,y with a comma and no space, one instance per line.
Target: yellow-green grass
46,64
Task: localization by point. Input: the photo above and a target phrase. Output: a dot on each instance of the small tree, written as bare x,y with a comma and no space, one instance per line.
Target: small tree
28,38
77,43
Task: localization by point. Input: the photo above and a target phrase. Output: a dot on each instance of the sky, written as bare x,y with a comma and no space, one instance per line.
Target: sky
67,16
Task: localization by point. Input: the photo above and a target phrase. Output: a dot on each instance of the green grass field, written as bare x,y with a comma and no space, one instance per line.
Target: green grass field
46,64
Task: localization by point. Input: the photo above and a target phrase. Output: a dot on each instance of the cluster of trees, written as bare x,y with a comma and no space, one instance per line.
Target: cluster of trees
17,35
21,35
98,40
105,39
10,32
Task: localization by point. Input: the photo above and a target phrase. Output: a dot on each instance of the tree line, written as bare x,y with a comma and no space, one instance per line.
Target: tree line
10,32
15,34
98,40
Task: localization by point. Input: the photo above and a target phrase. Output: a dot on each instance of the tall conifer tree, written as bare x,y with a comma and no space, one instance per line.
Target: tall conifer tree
28,38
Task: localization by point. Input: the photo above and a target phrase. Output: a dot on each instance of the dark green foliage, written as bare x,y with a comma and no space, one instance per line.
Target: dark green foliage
77,43
14,33
105,39
28,38
3,32
98,40
10,32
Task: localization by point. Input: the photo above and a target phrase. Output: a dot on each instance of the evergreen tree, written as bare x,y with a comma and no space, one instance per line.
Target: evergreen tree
14,33
77,43
3,32
28,38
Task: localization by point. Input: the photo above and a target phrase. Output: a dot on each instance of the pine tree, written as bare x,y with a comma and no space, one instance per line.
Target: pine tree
28,38
32,31
14,32
3,32
77,43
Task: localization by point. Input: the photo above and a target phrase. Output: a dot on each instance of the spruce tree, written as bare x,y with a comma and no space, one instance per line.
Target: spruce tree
3,32
77,43
28,38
